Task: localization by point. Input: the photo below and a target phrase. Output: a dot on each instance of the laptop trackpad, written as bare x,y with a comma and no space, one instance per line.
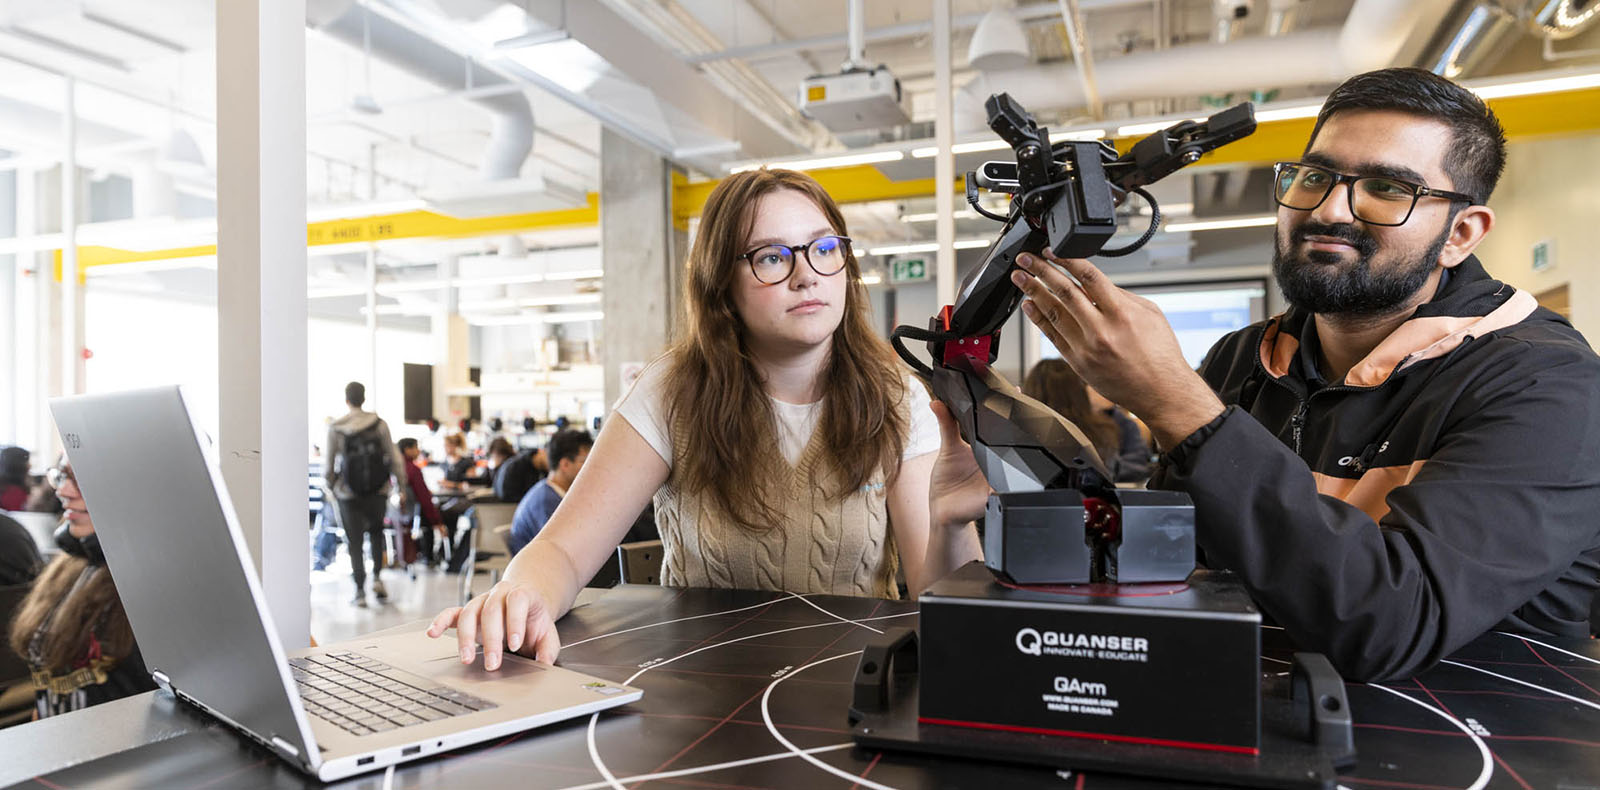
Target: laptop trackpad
451,668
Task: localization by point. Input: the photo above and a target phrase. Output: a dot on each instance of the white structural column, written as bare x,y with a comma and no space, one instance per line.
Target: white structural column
642,254
261,293
372,326
32,399
944,162
71,320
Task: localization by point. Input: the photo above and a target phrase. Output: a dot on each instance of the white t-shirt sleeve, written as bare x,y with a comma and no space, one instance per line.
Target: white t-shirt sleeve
644,407
924,429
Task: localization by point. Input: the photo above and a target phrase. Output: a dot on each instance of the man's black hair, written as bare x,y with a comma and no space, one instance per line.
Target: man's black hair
1477,153
355,394
406,444
566,445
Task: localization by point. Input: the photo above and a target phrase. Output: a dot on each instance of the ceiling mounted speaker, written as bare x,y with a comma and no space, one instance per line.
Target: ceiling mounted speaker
999,42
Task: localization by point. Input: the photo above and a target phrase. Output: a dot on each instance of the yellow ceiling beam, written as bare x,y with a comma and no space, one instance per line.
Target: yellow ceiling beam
375,229
1524,117
852,184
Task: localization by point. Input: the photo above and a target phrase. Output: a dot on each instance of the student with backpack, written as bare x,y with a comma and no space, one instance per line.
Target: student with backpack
361,460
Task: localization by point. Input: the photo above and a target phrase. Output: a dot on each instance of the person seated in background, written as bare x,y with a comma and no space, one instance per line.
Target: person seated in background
19,555
458,472
500,452
1115,436
417,499
14,483
785,446
458,463
515,477
568,449
71,629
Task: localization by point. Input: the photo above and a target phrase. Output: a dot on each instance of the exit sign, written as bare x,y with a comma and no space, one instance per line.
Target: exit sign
908,270
1543,255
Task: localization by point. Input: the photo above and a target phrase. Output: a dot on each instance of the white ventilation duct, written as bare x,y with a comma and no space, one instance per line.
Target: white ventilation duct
512,137
1372,37
998,42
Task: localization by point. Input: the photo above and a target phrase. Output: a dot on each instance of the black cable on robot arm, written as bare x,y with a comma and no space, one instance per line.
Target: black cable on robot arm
1155,224
916,333
972,200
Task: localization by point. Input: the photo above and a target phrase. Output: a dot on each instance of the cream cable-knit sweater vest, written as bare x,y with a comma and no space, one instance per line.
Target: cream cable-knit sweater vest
826,545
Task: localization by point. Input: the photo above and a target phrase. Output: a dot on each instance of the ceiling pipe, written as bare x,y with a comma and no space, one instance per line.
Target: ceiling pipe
1471,40
904,30
1281,15
1373,35
511,140
856,57
1072,17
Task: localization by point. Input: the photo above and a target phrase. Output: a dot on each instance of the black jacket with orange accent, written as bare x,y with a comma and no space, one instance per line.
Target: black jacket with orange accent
1449,485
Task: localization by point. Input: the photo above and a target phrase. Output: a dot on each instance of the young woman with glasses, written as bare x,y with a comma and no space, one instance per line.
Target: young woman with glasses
71,628
783,444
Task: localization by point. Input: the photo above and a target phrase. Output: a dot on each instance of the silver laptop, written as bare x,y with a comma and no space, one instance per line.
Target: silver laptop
172,540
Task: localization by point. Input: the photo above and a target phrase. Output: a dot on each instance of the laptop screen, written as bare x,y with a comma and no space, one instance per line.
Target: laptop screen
173,545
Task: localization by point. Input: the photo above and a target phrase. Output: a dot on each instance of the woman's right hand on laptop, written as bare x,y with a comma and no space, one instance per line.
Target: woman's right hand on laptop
511,615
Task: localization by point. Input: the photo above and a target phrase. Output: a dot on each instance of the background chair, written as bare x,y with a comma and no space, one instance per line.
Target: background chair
640,562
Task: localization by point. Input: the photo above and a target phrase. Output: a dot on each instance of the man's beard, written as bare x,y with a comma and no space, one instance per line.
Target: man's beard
1321,283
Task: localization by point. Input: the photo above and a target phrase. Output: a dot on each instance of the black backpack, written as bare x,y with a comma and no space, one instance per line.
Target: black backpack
365,465
515,477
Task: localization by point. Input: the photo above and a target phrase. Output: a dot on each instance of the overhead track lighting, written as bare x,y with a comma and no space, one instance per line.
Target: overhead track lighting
1222,224
821,163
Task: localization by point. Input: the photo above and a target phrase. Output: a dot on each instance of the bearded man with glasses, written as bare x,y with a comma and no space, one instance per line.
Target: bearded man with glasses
1410,455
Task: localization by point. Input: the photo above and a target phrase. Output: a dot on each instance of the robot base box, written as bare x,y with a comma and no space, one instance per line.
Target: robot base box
1161,664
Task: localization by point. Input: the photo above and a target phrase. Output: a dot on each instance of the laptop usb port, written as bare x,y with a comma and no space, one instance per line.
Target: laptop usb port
410,750
365,760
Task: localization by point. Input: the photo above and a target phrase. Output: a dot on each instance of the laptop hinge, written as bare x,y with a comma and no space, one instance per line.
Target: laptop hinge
161,679
286,746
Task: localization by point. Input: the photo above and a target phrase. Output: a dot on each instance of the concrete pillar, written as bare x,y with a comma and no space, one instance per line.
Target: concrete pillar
642,254
452,348
372,326
261,293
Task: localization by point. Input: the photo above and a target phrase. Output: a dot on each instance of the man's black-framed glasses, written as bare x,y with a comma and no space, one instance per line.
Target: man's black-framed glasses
775,262
1375,200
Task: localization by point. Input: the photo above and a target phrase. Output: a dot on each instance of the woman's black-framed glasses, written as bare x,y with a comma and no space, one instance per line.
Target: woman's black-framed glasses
774,263
1375,200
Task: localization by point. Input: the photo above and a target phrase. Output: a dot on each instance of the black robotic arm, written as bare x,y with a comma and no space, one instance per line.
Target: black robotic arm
1045,472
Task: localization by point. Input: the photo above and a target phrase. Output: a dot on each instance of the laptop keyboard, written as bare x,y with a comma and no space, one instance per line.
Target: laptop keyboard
362,695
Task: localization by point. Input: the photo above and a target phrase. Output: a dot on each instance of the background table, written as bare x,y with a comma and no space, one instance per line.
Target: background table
737,682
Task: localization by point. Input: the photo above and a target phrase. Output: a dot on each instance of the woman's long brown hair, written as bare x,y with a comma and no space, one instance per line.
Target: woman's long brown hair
714,387
77,614
1055,384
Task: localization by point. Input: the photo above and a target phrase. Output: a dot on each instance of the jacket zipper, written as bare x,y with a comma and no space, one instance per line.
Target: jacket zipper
1298,421
1302,401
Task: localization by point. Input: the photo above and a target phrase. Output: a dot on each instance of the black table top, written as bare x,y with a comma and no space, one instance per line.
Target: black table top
737,682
